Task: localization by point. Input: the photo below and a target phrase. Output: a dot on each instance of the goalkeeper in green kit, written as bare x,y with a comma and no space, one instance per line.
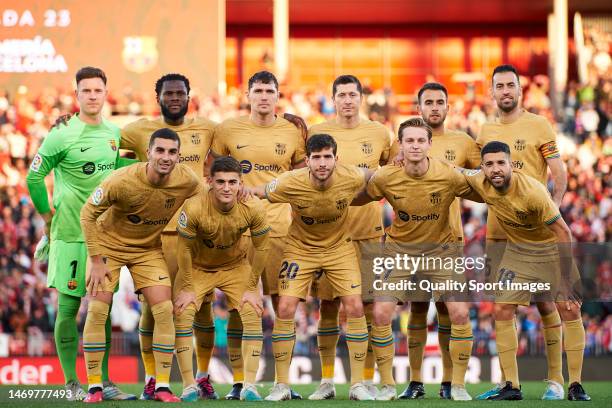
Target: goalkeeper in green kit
81,156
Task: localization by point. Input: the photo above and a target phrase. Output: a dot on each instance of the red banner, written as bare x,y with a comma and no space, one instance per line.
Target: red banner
47,370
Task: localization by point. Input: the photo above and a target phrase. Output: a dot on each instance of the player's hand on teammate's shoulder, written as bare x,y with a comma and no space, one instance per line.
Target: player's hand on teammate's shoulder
61,120
245,193
182,300
398,160
253,298
97,273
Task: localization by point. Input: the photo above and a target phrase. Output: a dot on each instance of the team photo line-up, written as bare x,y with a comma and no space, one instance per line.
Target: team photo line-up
265,205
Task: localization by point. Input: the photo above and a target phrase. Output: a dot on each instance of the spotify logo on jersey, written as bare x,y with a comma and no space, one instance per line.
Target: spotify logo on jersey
133,218
403,216
89,168
246,166
307,220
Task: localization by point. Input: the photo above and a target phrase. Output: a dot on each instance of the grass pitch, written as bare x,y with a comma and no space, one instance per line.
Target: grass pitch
600,392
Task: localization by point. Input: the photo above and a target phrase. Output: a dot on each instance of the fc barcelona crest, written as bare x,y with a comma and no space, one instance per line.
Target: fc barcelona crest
195,138
367,148
435,198
520,144
341,204
450,155
72,284
521,215
113,144
280,149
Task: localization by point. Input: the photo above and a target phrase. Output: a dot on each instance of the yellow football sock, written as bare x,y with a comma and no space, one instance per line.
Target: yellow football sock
234,345
163,342
384,350
552,338
368,370
444,334
145,335
460,349
94,341
507,345
574,342
357,343
252,339
184,343
204,331
327,339
283,340
417,337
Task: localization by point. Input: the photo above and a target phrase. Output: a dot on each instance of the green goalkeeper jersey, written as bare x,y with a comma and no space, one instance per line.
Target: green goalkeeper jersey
81,156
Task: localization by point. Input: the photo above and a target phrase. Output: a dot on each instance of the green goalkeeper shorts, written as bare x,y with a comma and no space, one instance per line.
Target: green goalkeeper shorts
67,267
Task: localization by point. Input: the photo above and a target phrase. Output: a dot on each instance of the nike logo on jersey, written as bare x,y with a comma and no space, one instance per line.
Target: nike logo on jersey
83,149
353,286
240,146
163,277
301,208
397,197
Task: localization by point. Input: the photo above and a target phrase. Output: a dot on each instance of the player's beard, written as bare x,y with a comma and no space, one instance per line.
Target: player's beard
504,186
508,108
436,124
173,116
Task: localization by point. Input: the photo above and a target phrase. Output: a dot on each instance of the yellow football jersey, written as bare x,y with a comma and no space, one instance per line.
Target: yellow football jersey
523,211
420,203
264,153
220,243
531,140
127,214
460,149
196,137
365,146
319,216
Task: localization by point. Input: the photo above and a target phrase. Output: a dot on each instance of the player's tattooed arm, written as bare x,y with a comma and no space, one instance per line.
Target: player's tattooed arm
559,178
298,122
61,120
185,292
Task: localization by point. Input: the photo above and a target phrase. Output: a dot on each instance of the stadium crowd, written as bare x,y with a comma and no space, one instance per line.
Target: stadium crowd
27,307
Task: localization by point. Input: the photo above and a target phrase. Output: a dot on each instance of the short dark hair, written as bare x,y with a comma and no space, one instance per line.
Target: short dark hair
90,72
414,123
320,141
265,77
171,77
225,164
344,80
506,68
495,147
164,133
432,86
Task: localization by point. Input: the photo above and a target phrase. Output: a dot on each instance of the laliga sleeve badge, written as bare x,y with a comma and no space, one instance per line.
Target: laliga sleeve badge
471,172
96,197
36,163
182,220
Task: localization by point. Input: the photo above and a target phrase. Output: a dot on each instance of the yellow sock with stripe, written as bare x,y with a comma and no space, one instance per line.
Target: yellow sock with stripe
507,345
574,342
94,341
145,335
184,343
327,339
368,370
552,339
444,334
204,332
283,340
417,337
384,351
163,342
460,349
234,345
252,340
357,343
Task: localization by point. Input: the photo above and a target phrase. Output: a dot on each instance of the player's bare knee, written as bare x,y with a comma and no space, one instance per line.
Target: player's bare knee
382,313
352,306
156,294
287,306
458,313
545,308
330,307
504,311
441,308
419,307
568,315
